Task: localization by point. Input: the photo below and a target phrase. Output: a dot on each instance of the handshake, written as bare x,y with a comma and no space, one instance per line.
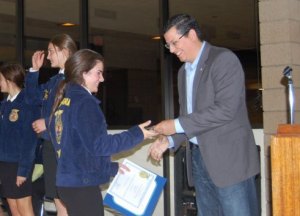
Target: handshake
160,131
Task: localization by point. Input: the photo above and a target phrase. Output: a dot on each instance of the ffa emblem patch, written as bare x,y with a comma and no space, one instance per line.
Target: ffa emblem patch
58,125
14,116
144,175
46,94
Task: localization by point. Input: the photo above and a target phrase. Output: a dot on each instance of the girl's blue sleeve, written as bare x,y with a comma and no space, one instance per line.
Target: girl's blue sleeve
34,92
29,142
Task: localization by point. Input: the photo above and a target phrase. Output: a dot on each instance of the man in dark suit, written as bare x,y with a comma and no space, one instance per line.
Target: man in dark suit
222,158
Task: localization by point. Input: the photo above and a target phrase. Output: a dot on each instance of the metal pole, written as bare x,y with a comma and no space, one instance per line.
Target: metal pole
291,100
20,31
84,23
287,72
167,96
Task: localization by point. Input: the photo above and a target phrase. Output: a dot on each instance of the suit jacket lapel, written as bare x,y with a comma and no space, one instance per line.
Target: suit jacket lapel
182,84
200,70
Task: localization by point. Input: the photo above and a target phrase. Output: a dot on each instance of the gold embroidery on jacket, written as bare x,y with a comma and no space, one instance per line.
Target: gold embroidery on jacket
58,125
14,116
46,94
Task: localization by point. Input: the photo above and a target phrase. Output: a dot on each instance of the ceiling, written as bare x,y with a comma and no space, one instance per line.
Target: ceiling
231,24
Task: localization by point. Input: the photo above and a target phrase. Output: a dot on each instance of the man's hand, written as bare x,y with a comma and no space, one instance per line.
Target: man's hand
148,133
166,127
39,125
158,147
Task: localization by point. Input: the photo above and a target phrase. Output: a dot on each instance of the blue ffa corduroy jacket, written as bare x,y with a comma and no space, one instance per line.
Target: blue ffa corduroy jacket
42,95
78,132
17,139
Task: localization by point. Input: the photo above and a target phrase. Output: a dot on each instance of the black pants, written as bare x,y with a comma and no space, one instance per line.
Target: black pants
49,162
38,193
81,201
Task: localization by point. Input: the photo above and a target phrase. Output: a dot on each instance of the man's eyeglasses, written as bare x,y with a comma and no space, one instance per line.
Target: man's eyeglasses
174,43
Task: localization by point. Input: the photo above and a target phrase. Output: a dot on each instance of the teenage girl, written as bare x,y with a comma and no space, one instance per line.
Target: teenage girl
78,131
60,48
17,141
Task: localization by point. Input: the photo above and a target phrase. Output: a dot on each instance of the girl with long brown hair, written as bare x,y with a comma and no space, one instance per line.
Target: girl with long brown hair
60,48
78,131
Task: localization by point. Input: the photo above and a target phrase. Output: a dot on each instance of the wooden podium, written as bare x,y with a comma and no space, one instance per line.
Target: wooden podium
285,169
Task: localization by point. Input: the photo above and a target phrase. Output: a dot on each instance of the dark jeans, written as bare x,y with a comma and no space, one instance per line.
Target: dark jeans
236,200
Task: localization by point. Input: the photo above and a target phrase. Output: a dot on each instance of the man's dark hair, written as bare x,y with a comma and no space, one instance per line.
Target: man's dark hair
183,24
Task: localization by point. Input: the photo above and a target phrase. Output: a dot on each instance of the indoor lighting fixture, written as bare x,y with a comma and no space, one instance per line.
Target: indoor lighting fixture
156,38
67,24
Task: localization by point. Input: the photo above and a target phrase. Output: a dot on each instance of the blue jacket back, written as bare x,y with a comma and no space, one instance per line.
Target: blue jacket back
78,132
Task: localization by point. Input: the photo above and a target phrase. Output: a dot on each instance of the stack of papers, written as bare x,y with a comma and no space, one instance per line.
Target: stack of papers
134,192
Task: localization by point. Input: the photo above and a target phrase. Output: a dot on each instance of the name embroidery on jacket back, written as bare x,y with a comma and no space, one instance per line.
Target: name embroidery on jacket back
66,102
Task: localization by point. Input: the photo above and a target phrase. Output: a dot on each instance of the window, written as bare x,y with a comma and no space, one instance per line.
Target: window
7,30
122,32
